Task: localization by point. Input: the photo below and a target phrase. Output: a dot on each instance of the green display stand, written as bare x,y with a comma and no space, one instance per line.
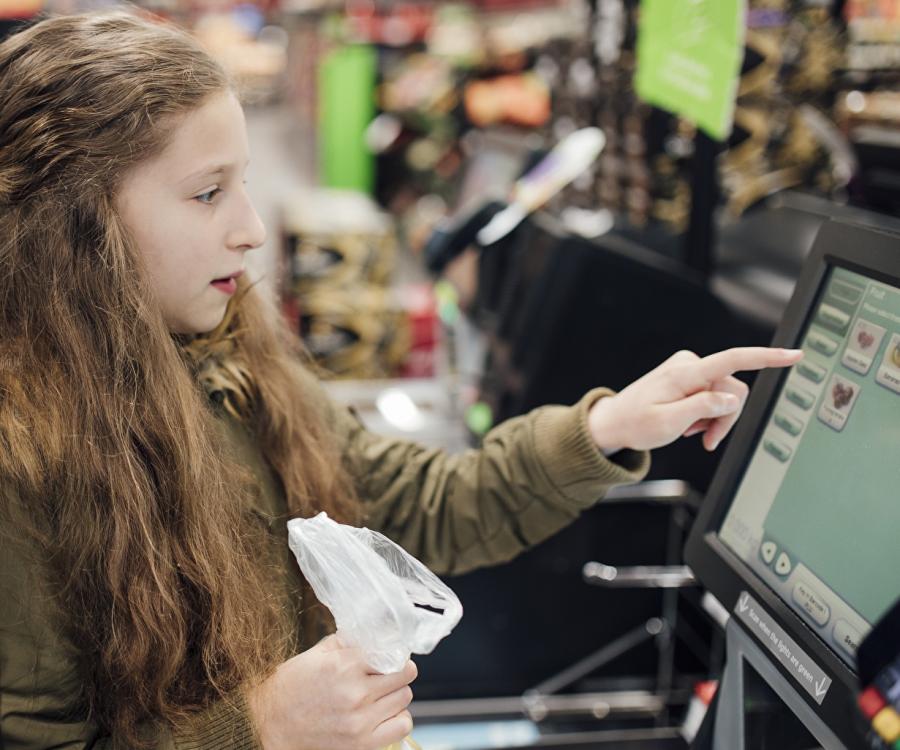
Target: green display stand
346,107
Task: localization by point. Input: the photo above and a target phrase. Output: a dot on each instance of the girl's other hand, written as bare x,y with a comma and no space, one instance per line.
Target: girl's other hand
327,697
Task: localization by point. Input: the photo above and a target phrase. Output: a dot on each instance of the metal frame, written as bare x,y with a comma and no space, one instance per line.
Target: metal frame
544,701
540,700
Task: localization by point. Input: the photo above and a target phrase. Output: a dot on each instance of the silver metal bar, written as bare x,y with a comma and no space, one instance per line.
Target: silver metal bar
634,702
639,576
662,490
579,669
666,663
613,739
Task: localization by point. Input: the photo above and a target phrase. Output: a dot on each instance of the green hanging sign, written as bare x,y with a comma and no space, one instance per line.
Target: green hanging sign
346,107
689,59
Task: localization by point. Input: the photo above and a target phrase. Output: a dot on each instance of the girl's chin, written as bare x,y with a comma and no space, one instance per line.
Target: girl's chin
194,326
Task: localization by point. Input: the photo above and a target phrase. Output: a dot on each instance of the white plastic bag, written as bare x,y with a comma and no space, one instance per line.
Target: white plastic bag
384,601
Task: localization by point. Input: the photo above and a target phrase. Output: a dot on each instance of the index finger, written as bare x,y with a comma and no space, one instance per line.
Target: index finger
722,364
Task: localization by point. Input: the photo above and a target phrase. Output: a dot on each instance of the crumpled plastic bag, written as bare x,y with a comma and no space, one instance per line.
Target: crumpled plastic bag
383,600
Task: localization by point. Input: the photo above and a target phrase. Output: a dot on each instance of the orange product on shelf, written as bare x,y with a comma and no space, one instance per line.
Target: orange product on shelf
515,99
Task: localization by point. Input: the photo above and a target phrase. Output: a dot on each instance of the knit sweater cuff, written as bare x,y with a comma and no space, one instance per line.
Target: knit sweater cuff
225,724
571,458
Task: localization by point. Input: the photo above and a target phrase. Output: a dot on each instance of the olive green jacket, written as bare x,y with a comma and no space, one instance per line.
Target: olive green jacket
533,475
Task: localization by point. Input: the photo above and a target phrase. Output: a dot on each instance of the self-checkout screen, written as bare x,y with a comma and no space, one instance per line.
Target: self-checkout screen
817,513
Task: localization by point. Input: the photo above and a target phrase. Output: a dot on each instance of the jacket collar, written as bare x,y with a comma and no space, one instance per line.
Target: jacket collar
217,362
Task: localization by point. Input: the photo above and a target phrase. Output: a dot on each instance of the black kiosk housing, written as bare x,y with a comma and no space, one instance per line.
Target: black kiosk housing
824,704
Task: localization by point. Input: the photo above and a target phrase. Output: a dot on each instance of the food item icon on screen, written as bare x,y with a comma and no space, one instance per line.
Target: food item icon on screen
841,394
838,402
888,374
865,340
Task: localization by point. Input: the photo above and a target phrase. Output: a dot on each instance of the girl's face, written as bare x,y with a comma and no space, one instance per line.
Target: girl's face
189,213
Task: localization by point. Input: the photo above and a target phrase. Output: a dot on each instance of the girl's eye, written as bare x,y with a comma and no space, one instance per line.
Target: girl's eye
208,196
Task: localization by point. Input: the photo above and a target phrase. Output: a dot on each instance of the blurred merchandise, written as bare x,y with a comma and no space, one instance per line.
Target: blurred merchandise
245,36
569,158
421,320
867,108
395,23
475,74
420,83
335,238
783,137
353,332
254,53
874,34
515,99
339,259
20,9
644,175
456,35
364,331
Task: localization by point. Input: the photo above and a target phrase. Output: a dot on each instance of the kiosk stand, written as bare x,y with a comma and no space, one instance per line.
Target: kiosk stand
797,534
750,680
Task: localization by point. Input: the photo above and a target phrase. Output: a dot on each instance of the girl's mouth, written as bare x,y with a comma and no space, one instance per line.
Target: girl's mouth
227,286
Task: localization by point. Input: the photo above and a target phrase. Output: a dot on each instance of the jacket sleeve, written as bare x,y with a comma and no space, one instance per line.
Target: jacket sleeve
532,476
40,691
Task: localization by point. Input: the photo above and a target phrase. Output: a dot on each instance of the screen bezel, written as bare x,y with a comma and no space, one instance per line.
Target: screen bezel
873,251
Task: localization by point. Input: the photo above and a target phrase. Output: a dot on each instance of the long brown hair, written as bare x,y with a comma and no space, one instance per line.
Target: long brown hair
107,439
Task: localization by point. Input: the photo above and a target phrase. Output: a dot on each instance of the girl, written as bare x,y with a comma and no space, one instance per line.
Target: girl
157,428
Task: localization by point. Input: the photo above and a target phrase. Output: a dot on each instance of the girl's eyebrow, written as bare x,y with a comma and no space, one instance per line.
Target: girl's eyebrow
213,170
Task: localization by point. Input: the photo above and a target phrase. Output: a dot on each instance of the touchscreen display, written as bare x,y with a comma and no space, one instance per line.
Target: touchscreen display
817,513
